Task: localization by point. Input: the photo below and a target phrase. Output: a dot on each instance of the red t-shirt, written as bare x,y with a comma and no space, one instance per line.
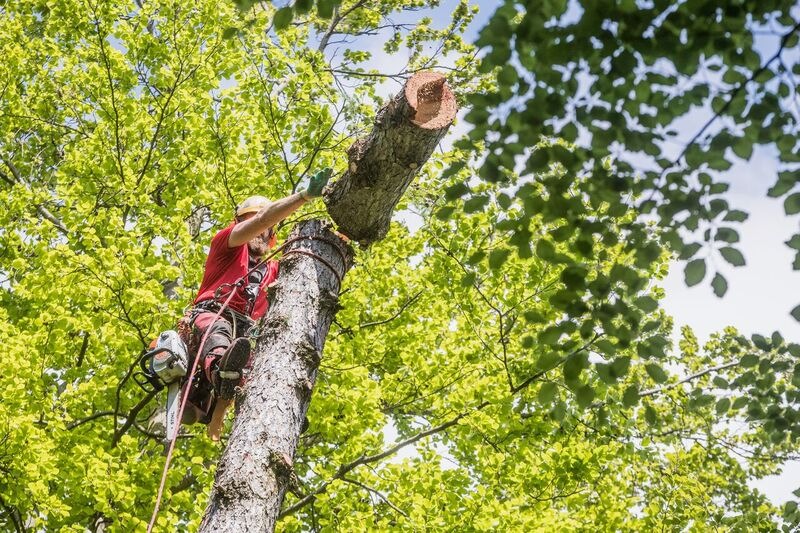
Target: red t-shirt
228,265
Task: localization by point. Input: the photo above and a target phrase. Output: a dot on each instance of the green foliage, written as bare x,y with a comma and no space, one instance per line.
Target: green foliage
518,327
648,68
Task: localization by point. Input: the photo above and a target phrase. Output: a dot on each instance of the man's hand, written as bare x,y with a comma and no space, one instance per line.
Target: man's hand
317,183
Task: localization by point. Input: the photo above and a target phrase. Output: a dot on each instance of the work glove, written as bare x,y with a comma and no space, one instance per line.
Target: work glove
317,183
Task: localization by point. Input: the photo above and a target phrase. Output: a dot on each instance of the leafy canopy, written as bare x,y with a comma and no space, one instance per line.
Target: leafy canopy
504,365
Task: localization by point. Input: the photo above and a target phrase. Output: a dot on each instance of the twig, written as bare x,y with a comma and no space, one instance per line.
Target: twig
344,469
377,493
131,418
702,373
41,209
736,92
394,316
95,416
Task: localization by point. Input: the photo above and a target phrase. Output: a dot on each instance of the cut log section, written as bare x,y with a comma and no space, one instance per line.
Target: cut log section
382,164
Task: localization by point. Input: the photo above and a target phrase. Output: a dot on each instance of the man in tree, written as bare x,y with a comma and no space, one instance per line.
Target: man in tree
234,264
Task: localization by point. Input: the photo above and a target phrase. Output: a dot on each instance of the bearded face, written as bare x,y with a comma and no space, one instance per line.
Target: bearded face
259,245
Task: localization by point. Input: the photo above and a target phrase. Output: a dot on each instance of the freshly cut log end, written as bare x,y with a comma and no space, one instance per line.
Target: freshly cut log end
383,164
432,100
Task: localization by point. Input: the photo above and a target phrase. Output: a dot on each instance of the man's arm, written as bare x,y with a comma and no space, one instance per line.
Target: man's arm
276,211
267,217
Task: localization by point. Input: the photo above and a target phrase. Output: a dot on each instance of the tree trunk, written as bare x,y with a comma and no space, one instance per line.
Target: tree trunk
256,468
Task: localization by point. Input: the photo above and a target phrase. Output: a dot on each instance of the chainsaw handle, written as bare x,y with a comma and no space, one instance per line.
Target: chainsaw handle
146,379
147,383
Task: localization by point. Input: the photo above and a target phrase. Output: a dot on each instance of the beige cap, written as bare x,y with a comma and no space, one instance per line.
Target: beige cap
251,205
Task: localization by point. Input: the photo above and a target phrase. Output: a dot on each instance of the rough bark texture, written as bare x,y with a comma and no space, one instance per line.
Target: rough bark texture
382,164
256,467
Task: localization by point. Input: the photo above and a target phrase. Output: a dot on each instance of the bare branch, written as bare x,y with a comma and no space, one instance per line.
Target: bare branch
131,418
95,416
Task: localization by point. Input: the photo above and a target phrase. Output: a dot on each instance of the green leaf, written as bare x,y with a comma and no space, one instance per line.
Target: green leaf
734,215
688,250
497,258
476,204
727,235
605,346
456,190
760,341
656,372
723,405
545,250
720,285
732,256
631,396
325,8
650,415
547,392
646,304
749,360
796,313
792,204
548,360
785,183
584,396
694,272
283,17
303,6
620,366
445,212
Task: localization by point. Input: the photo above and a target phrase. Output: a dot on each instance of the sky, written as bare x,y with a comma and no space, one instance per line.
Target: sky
760,295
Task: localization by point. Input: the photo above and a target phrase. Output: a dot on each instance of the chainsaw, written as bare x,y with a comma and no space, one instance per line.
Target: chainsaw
165,366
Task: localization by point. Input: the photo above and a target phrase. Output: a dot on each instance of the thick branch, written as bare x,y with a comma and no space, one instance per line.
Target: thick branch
382,165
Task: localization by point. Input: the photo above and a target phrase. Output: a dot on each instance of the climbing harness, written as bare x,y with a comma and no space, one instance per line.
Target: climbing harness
168,357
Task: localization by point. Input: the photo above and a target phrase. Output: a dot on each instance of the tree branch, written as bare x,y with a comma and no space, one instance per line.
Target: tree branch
131,418
394,316
700,374
95,416
337,18
377,493
735,93
344,469
41,209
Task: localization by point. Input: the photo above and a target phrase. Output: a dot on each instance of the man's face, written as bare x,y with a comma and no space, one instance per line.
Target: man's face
259,245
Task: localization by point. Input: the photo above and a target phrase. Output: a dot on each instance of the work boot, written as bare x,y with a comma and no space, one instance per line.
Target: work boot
229,372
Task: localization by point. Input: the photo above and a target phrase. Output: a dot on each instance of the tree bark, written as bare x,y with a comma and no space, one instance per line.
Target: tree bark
256,468
382,164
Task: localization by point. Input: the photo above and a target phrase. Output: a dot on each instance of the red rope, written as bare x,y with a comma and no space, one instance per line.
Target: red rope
187,388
